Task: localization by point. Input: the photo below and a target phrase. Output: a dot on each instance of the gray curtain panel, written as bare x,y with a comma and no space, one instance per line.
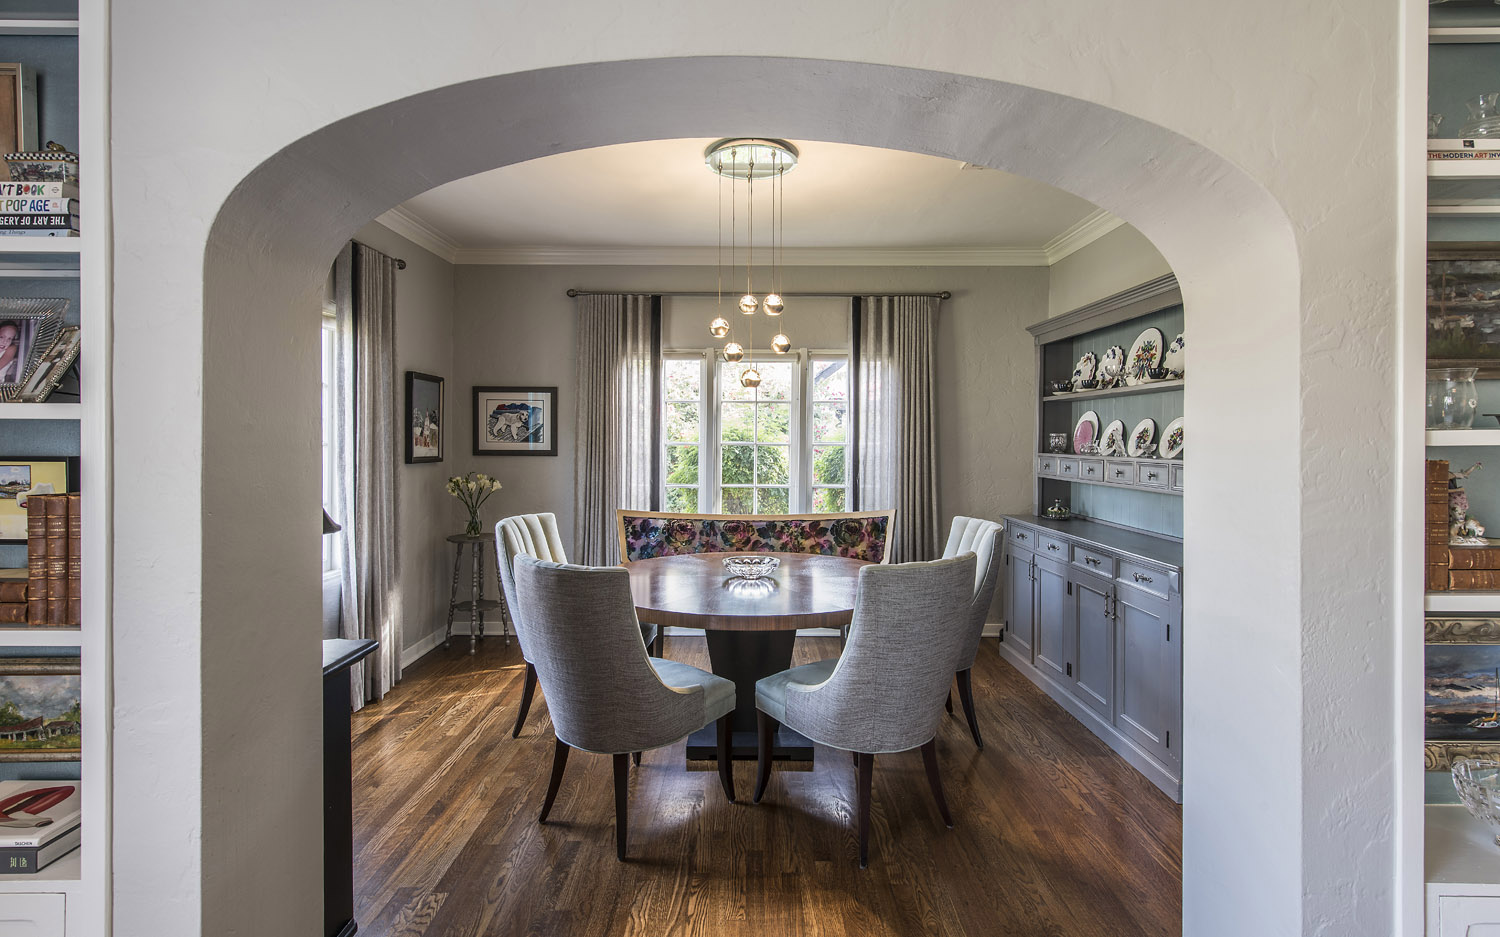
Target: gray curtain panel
617,375
896,442
365,491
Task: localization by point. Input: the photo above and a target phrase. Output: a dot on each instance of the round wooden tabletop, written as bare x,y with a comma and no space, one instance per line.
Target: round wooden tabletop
695,591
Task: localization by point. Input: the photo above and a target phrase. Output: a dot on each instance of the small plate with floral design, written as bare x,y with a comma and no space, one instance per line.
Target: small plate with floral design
1171,440
1083,371
1141,438
1144,355
1175,360
1113,440
1086,431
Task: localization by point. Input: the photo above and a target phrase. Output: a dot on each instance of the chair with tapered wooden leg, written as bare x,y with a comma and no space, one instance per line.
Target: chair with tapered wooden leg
535,535
982,538
605,694
885,693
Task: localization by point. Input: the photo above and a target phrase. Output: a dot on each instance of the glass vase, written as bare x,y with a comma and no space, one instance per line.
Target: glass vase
1452,399
473,529
1484,116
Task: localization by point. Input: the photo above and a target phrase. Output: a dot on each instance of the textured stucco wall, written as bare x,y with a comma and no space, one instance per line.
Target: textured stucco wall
1286,259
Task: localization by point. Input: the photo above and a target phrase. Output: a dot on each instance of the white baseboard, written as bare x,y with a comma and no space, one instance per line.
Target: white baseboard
414,652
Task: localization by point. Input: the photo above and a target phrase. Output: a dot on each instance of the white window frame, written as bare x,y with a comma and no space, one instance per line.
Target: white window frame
800,444
327,336
808,443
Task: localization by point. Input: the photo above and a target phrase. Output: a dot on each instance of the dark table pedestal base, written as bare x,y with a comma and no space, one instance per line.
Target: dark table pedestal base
744,657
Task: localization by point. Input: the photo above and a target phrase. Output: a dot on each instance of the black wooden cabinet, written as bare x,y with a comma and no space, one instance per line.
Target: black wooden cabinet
1096,622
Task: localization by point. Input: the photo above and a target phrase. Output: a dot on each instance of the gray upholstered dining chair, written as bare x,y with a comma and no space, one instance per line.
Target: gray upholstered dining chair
885,693
536,535
606,696
982,538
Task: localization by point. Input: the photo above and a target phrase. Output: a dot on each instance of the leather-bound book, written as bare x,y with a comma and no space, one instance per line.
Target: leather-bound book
12,590
57,559
36,560
75,560
13,613
1436,523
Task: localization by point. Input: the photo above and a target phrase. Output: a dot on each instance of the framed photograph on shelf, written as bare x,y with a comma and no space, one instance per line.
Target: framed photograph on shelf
51,366
424,417
17,107
515,421
28,327
40,709
22,474
1463,307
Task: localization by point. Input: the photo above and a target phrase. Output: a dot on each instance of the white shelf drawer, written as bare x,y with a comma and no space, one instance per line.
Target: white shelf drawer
32,915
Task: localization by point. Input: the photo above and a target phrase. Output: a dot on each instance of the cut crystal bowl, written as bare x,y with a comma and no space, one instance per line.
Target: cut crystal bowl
750,567
1478,784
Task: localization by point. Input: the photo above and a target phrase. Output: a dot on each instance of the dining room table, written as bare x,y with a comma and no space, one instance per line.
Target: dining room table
750,624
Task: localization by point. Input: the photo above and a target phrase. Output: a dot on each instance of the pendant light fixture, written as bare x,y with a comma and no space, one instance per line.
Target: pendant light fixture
749,159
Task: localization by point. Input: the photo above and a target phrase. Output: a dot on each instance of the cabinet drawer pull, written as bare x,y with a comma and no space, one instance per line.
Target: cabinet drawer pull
1067,468
1091,560
1052,547
1142,577
1091,470
1119,472
1020,536
1151,475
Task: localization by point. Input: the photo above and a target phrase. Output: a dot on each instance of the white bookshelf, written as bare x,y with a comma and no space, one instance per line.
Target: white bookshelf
82,876
1463,168
1445,35
1463,437
1454,602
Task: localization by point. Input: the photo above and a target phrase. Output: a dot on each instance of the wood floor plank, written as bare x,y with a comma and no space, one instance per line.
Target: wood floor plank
1053,833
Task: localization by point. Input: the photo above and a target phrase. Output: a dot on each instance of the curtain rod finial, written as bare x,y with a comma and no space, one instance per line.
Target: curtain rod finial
945,295
572,292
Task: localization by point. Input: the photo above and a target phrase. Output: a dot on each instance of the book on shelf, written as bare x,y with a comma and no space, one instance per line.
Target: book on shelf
39,821
38,190
40,233
36,560
38,206
74,616
1457,148
13,613
53,222
13,585
50,578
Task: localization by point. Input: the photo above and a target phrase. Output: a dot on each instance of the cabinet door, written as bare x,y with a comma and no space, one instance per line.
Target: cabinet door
1017,600
1148,673
1093,662
1053,652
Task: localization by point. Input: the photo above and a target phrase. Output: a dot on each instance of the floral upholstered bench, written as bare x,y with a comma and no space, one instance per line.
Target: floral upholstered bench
862,536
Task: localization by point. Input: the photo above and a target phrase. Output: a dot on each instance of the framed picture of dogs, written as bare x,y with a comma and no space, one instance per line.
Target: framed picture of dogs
515,421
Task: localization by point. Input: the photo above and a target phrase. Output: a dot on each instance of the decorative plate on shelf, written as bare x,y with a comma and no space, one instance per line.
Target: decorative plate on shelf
1141,438
1084,369
1144,355
1086,431
1113,440
1171,440
1175,360
1111,365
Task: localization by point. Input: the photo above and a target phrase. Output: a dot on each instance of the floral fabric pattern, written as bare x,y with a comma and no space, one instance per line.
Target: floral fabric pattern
859,538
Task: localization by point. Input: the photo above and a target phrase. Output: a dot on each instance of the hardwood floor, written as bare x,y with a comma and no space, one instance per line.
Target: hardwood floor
1054,835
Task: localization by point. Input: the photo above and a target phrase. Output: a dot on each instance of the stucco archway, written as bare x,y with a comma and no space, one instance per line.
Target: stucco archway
269,250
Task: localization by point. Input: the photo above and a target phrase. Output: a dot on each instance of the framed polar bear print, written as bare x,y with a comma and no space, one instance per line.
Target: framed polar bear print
515,421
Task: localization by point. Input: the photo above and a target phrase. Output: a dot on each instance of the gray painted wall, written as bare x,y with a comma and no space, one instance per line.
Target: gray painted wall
1121,259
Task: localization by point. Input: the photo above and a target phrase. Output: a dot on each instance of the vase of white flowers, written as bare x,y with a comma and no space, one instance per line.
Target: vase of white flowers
473,489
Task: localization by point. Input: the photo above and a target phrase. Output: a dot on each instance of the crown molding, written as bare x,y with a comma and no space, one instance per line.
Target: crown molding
420,233
1081,235
793,257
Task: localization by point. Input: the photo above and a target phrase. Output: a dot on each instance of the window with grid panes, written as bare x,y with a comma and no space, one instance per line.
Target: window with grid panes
756,426
682,434
828,433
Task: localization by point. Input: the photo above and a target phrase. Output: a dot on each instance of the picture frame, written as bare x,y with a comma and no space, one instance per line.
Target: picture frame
1463,307
19,474
18,125
425,419
52,366
28,327
40,709
515,421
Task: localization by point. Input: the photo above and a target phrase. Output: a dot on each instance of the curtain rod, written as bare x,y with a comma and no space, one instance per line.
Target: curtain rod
576,292
400,264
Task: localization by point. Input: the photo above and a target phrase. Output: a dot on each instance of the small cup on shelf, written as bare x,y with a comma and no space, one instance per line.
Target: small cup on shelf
1061,387
1158,374
1088,385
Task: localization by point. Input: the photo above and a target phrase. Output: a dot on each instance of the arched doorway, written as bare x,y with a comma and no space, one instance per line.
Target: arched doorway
264,269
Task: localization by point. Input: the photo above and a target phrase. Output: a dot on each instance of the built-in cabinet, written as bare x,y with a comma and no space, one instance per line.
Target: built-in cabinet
1093,615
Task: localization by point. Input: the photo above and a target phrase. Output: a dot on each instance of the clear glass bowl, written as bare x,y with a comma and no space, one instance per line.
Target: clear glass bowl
750,567
1452,399
1478,784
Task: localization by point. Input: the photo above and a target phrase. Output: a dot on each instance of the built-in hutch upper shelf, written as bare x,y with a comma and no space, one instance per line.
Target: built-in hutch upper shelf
1156,387
1446,35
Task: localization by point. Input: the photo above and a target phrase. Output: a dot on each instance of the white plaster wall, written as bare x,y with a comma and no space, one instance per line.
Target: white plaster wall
1117,261
1290,547
515,325
425,337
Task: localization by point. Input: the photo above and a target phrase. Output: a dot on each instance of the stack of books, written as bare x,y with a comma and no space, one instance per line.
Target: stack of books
39,209
1476,148
54,547
39,821
13,597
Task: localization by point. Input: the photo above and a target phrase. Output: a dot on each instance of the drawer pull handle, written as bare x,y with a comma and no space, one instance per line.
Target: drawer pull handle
1091,560
1142,577
1119,472
1091,470
1052,547
1020,536
1151,475
1067,468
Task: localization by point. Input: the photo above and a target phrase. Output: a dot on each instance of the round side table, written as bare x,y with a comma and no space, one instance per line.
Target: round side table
477,604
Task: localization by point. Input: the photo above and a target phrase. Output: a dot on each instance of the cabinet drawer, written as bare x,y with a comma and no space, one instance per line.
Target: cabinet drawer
1148,578
1091,470
35,915
1151,474
1046,465
1468,916
1067,468
1051,547
1176,476
1094,561
1119,473
1022,536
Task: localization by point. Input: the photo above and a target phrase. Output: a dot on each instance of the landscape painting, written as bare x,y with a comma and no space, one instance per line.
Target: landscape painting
1463,313
1463,692
40,709
425,422
515,421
